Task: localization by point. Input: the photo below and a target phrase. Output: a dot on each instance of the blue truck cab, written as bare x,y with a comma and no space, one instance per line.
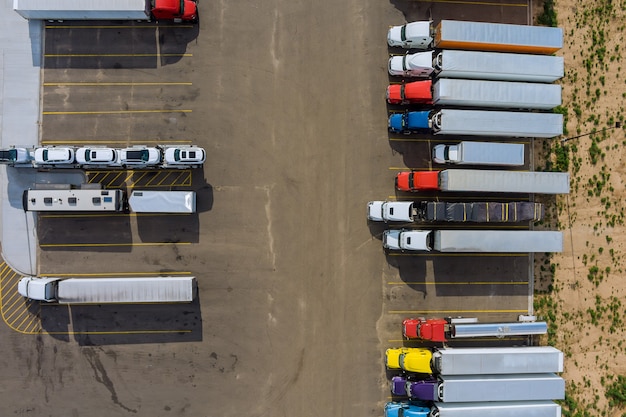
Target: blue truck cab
405,409
408,122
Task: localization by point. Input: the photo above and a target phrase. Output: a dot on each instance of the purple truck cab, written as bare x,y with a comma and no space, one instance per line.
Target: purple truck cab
398,385
425,390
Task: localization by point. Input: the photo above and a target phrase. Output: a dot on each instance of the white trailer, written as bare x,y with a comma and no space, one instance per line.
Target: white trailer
162,201
497,360
498,66
504,181
109,290
479,153
496,123
496,409
83,9
499,94
73,200
472,388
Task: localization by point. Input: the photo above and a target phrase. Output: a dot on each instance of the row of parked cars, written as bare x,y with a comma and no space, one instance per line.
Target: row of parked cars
133,157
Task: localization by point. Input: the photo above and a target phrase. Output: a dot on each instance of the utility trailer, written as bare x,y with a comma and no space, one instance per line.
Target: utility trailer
162,202
442,211
497,360
472,388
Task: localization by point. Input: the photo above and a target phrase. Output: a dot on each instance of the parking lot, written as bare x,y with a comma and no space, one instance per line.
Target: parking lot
297,300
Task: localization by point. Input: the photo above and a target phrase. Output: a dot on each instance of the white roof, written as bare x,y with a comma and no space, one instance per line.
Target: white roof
162,201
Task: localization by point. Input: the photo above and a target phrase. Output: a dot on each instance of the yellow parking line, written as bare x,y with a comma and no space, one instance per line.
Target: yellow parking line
106,245
453,311
108,84
116,274
111,55
458,283
122,332
477,3
460,254
115,112
146,26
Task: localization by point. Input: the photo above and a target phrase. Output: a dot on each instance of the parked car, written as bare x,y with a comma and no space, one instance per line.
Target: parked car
96,156
14,156
139,156
184,155
54,155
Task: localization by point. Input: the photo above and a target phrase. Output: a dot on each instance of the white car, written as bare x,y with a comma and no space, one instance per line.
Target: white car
54,155
412,65
184,156
139,156
14,156
96,156
412,35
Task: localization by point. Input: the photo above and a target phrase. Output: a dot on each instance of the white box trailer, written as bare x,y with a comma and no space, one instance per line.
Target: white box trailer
495,241
479,153
83,9
496,123
499,94
504,181
498,66
497,360
162,201
506,387
109,290
496,409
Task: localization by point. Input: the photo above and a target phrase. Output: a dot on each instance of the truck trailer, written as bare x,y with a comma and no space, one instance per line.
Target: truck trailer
478,65
481,36
139,10
477,123
441,330
162,202
497,360
491,241
441,211
108,290
479,153
484,181
471,388
474,409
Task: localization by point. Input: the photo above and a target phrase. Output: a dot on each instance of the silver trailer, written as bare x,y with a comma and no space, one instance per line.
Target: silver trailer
483,36
499,94
109,290
494,241
479,153
496,409
465,330
162,202
508,387
498,360
480,65
83,9
496,123
504,181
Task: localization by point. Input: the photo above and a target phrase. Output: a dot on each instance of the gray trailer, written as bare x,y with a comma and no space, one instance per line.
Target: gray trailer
83,9
480,65
506,387
499,94
496,409
504,181
493,241
497,360
479,153
496,123
109,290
162,202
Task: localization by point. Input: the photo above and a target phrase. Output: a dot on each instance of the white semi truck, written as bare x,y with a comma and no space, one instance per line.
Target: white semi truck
165,289
492,241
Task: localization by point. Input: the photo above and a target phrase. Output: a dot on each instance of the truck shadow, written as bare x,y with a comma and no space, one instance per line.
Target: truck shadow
110,324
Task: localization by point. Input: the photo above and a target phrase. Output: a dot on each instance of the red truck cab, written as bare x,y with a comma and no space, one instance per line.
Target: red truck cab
183,10
417,92
417,181
433,330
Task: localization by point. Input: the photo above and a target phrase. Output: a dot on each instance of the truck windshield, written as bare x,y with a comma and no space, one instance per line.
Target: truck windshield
411,181
446,153
181,8
403,33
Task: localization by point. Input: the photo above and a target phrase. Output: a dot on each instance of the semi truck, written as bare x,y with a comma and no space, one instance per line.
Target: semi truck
165,289
477,123
479,153
481,36
497,360
492,241
474,409
442,211
139,10
441,330
478,65
470,388
484,181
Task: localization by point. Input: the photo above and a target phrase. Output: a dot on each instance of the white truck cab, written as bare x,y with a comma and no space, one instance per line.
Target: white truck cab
390,211
412,35
411,240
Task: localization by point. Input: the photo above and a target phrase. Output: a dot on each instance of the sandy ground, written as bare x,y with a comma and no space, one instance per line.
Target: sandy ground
588,284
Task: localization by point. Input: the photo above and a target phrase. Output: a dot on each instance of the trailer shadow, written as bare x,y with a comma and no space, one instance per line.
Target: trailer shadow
115,324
